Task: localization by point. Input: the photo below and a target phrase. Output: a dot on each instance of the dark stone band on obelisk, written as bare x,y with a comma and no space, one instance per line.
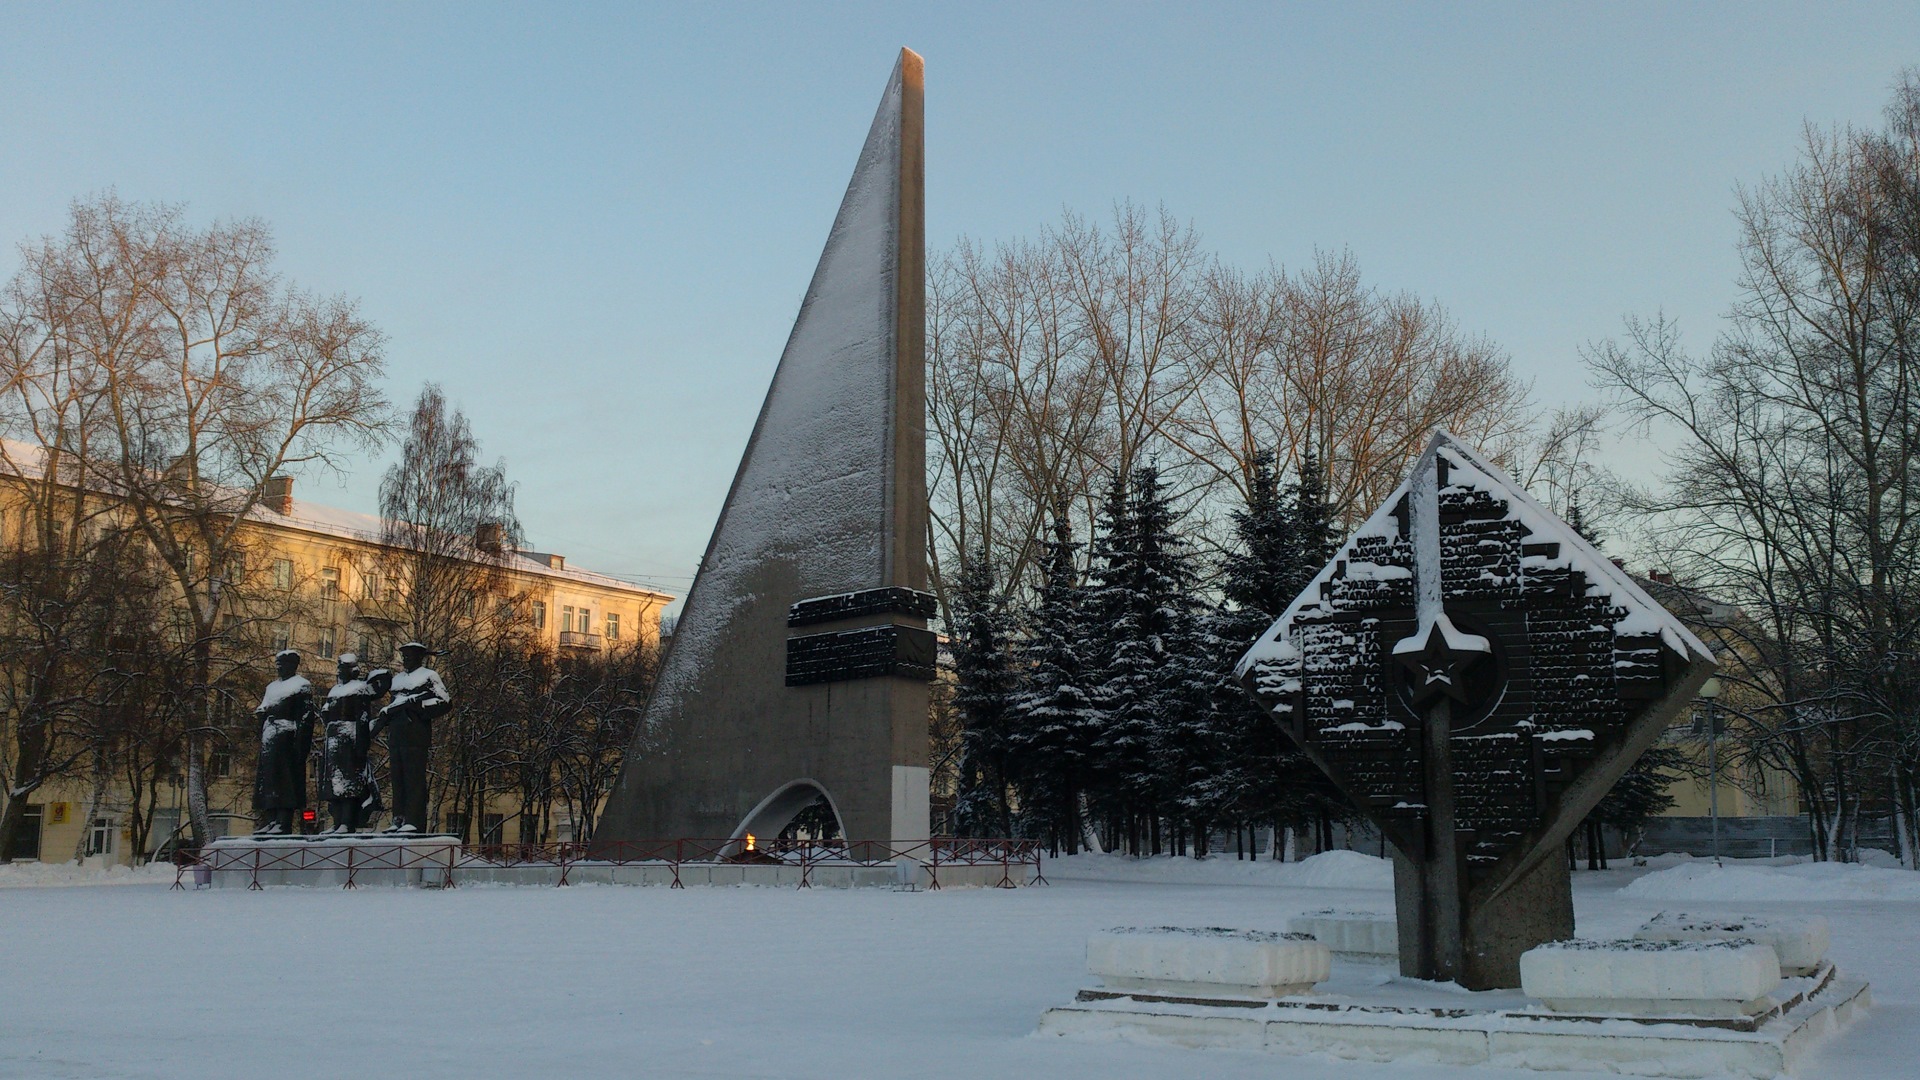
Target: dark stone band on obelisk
909,602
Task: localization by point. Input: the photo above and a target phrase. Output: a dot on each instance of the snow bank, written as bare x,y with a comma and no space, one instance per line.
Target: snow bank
1327,870
1702,880
33,874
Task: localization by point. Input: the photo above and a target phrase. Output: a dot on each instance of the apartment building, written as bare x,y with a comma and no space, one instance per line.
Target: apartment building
321,580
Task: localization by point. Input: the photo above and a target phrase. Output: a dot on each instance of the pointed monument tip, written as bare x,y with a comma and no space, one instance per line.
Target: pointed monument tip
912,68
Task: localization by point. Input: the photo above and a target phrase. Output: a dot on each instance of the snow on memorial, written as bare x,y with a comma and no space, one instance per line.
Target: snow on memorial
1474,676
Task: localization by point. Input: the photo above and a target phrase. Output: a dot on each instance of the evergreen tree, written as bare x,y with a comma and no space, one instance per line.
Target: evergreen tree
1316,532
1641,794
1155,682
1637,798
1280,542
983,694
1256,575
1053,715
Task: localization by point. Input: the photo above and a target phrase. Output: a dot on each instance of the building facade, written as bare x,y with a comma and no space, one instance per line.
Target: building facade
323,581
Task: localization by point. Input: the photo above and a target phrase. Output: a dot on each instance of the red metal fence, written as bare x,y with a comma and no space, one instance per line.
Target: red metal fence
444,863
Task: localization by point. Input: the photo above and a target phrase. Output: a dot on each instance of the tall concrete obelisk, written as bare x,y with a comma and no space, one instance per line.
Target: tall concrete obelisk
799,666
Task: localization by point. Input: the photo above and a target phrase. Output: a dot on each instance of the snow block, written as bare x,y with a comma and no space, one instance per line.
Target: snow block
1355,933
1651,978
1243,963
1800,942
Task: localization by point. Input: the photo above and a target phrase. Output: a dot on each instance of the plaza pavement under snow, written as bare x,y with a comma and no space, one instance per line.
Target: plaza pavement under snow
588,981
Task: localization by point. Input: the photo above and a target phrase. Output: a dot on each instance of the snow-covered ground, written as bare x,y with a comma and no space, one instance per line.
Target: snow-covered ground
751,983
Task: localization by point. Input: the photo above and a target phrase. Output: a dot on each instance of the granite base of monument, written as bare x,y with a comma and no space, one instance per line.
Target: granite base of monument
1636,1008
440,861
336,860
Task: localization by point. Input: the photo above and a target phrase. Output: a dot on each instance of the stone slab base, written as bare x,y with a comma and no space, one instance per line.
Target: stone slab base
1508,1038
1200,960
384,861
1357,935
915,878
1799,941
359,860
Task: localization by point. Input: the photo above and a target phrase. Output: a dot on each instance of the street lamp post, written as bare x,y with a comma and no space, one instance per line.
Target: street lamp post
1709,692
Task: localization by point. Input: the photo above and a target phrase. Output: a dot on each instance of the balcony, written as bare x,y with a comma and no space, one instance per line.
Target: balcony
380,611
576,639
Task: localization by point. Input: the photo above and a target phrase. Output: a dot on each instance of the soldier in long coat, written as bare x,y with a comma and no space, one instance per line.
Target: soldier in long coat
286,718
353,797
419,698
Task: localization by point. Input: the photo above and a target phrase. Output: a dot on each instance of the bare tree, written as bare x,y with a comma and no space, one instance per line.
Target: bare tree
205,374
1057,362
1794,488
450,528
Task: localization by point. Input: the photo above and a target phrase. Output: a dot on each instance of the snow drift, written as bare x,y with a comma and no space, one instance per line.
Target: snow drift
1702,880
1327,870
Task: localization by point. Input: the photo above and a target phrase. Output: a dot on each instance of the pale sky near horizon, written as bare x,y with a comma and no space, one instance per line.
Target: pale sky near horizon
593,224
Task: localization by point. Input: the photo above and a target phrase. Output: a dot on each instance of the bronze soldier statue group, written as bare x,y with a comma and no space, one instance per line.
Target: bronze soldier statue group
349,721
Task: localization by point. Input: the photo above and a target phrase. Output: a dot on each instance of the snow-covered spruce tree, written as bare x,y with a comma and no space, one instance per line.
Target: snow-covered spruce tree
1315,531
1053,718
1639,795
1280,540
983,693
1154,678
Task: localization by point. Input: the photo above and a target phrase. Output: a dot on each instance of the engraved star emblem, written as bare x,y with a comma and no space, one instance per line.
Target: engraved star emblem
1438,657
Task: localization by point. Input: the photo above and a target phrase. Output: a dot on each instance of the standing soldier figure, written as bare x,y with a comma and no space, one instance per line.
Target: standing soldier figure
286,739
419,698
352,795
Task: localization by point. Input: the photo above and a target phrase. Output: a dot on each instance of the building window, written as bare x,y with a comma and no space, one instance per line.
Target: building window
539,614
283,573
493,829
282,638
566,618
329,583
323,644
370,586
456,823
220,762
586,621
100,836
613,627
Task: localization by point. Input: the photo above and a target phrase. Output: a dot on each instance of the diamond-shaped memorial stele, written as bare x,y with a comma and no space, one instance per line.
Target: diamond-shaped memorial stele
1475,676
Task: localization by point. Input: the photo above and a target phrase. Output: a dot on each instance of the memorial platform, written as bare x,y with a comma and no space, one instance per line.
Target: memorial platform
1361,1014
440,861
340,860
1684,1008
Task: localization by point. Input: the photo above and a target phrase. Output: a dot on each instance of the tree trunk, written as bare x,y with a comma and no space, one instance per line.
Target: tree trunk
96,793
197,812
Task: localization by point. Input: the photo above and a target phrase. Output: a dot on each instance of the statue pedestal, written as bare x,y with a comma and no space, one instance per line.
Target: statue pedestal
333,860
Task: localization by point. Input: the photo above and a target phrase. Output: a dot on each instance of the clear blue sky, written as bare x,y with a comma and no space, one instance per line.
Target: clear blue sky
593,223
